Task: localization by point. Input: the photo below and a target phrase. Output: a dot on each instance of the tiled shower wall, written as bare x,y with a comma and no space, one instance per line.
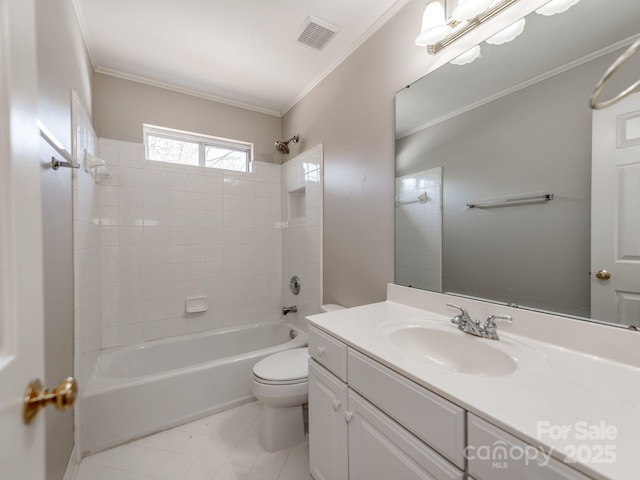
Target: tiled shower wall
302,235
86,248
418,230
169,232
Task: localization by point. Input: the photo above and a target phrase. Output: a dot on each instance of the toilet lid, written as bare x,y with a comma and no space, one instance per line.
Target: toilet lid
284,366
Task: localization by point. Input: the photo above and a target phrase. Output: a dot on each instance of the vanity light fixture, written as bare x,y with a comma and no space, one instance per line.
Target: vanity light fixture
467,57
556,6
438,32
508,34
434,28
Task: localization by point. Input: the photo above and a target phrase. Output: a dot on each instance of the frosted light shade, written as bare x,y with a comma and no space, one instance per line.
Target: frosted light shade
556,6
468,9
467,57
434,27
507,34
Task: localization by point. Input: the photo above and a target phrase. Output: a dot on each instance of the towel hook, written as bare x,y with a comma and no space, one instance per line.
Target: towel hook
613,69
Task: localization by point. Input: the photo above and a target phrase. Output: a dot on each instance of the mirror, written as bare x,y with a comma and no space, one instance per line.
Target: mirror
508,129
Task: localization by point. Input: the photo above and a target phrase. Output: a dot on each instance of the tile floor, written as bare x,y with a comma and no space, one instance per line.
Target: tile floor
220,447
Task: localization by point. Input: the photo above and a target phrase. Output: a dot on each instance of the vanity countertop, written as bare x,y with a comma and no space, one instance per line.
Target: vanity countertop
565,401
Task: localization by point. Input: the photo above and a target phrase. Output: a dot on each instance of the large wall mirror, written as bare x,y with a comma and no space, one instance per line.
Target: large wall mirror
510,188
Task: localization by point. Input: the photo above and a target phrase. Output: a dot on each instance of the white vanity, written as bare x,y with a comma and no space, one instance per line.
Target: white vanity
397,392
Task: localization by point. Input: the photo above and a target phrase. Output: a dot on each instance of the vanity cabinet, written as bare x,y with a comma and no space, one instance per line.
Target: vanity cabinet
367,422
351,438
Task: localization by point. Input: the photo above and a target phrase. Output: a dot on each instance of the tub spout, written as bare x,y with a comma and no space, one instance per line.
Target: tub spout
286,310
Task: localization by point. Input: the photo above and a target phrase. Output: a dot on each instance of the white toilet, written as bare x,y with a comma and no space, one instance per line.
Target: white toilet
280,382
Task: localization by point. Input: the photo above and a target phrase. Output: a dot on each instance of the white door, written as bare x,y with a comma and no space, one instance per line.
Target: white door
615,222
21,301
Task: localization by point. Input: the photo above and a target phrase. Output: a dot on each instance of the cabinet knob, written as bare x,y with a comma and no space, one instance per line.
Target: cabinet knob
320,351
348,416
336,404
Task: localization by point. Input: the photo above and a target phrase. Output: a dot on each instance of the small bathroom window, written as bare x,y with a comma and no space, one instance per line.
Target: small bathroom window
188,148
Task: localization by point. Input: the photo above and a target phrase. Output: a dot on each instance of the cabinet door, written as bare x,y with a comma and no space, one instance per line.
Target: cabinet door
494,454
380,449
328,454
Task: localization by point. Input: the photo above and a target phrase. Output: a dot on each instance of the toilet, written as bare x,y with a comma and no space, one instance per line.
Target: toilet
280,381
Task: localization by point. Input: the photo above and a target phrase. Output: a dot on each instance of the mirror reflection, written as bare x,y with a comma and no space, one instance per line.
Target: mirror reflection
557,185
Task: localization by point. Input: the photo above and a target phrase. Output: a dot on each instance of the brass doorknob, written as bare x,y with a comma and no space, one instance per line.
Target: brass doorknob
36,397
603,275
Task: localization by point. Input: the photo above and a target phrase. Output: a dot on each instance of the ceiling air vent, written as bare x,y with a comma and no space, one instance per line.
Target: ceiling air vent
316,33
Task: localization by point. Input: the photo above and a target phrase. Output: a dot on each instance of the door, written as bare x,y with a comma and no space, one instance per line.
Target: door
615,203
21,301
328,454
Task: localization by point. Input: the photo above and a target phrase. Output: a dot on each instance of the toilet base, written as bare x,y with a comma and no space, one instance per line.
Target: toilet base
281,427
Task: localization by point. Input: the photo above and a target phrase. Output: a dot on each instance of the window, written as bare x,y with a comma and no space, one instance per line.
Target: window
186,148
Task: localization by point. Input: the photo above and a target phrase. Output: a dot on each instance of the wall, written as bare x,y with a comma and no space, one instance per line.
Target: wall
302,233
351,112
122,106
62,65
169,232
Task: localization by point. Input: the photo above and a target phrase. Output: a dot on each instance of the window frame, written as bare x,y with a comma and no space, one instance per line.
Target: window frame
201,140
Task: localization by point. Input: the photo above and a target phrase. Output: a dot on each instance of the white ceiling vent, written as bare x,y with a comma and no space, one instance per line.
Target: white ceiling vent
316,33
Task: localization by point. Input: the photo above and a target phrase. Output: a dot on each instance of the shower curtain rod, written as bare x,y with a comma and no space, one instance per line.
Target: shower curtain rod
69,161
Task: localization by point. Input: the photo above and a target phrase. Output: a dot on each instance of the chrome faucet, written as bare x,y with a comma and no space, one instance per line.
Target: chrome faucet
292,309
466,324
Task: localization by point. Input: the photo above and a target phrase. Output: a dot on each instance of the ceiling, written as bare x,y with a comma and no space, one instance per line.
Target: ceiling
241,52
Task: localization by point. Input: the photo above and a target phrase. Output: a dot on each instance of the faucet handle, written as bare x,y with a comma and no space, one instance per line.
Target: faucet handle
490,319
463,311
463,317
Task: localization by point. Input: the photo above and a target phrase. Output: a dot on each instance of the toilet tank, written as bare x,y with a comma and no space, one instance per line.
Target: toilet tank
330,307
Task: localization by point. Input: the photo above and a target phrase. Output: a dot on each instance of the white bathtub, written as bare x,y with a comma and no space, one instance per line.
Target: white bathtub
142,389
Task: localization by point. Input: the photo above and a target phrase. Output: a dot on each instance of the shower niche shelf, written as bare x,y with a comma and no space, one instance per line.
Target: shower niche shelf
297,204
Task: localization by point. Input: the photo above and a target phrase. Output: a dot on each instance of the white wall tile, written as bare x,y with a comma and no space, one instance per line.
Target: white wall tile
195,183
169,232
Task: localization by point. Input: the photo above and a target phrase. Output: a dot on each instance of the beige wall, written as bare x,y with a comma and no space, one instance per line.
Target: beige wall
122,106
62,65
351,112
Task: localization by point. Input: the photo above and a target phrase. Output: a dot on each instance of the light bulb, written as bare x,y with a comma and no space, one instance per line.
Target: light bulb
467,57
468,9
507,34
434,27
556,6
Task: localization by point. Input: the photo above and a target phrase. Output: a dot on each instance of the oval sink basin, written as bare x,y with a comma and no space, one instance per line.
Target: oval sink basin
456,351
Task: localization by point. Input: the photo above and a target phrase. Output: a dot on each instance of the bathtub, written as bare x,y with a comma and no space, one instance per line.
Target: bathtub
138,390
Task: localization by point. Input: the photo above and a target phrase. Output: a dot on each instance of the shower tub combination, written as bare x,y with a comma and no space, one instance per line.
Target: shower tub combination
138,390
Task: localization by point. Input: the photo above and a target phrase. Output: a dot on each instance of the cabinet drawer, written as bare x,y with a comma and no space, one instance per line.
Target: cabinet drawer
494,462
380,449
328,352
436,421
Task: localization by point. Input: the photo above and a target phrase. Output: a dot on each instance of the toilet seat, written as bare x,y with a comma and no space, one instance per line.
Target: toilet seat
288,367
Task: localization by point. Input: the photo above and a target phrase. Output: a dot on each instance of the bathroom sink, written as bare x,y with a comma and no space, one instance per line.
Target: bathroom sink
453,350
